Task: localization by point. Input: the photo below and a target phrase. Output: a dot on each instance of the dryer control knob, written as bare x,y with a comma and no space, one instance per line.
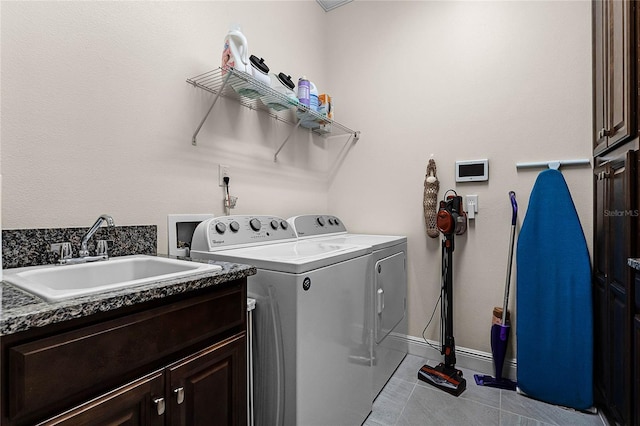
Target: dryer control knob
331,221
234,226
274,224
320,220
255,224
220,228
284,224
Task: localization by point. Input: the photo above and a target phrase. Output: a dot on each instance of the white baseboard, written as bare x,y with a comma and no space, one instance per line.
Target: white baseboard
479,361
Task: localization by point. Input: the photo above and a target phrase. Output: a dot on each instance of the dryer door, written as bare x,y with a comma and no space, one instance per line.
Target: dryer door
390,293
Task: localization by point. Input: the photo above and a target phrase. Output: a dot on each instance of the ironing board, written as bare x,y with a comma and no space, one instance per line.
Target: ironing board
554,308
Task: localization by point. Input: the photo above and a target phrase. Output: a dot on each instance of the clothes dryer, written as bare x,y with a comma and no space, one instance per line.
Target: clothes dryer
387,289
309,319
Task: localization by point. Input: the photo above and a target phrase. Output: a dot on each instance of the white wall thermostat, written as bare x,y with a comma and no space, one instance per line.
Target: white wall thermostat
472,170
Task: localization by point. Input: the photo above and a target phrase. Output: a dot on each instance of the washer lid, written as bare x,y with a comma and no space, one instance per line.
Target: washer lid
377,242
295,257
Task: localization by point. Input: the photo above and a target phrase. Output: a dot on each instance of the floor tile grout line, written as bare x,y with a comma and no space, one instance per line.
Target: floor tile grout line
530,418
405,404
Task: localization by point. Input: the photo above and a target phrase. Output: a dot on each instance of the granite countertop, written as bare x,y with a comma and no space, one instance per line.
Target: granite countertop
634,263
20,311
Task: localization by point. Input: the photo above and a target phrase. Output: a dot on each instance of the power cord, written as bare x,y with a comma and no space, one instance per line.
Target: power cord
227,202
429,323
438,302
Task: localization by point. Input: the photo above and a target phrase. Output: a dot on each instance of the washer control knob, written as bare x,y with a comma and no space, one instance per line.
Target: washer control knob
274,224
220,228
320,220
234,226
255,224
330,221
284,224
335,221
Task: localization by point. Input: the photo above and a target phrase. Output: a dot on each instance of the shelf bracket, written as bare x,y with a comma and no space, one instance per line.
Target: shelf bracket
275,156
352,139
195,134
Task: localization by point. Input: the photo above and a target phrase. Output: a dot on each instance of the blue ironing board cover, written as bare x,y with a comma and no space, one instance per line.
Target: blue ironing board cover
554,302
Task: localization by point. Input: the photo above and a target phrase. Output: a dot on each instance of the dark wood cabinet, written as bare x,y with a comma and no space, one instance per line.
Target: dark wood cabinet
615,227
616,45
614,73
635,396
207,388
133,404
174,363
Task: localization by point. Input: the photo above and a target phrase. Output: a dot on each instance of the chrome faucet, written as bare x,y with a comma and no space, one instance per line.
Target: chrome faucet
84,250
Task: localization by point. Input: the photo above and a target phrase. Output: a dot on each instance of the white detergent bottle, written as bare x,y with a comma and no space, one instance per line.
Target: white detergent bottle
235,53
313,96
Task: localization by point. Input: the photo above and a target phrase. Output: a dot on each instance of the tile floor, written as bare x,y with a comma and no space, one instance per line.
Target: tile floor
405,400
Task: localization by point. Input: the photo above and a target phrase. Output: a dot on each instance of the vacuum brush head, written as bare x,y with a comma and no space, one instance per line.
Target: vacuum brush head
445,378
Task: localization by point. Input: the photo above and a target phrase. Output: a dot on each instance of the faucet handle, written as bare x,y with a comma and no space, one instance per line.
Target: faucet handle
102,248
63,250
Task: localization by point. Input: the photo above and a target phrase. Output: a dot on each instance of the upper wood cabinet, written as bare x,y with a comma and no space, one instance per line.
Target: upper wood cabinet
615,90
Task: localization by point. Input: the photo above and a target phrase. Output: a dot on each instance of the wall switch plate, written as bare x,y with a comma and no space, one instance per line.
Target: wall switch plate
223,171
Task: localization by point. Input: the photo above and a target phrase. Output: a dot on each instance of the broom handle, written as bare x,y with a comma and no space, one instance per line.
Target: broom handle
514,216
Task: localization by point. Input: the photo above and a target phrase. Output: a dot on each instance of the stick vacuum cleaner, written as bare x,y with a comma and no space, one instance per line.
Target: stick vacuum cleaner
500,332
451,221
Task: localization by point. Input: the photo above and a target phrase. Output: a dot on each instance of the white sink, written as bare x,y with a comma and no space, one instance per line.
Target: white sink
58,282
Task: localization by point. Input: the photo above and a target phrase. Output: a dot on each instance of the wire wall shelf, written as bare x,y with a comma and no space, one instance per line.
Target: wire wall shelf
256,95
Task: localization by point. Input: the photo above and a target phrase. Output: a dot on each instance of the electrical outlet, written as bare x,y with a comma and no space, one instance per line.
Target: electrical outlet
472,206
223,171
472,200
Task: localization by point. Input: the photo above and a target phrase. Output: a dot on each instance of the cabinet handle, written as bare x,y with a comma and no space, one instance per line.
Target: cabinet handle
159,405
603,175
179,393
605,133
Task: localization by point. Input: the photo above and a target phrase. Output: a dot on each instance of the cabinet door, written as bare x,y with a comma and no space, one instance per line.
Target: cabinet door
135,404
600,220
636,363
620,92
615,221
619,354
599,74
209,388
602,353
614,85
619,212
622,225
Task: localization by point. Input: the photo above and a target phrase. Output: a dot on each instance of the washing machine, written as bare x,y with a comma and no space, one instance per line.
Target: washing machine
309,319
387,289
